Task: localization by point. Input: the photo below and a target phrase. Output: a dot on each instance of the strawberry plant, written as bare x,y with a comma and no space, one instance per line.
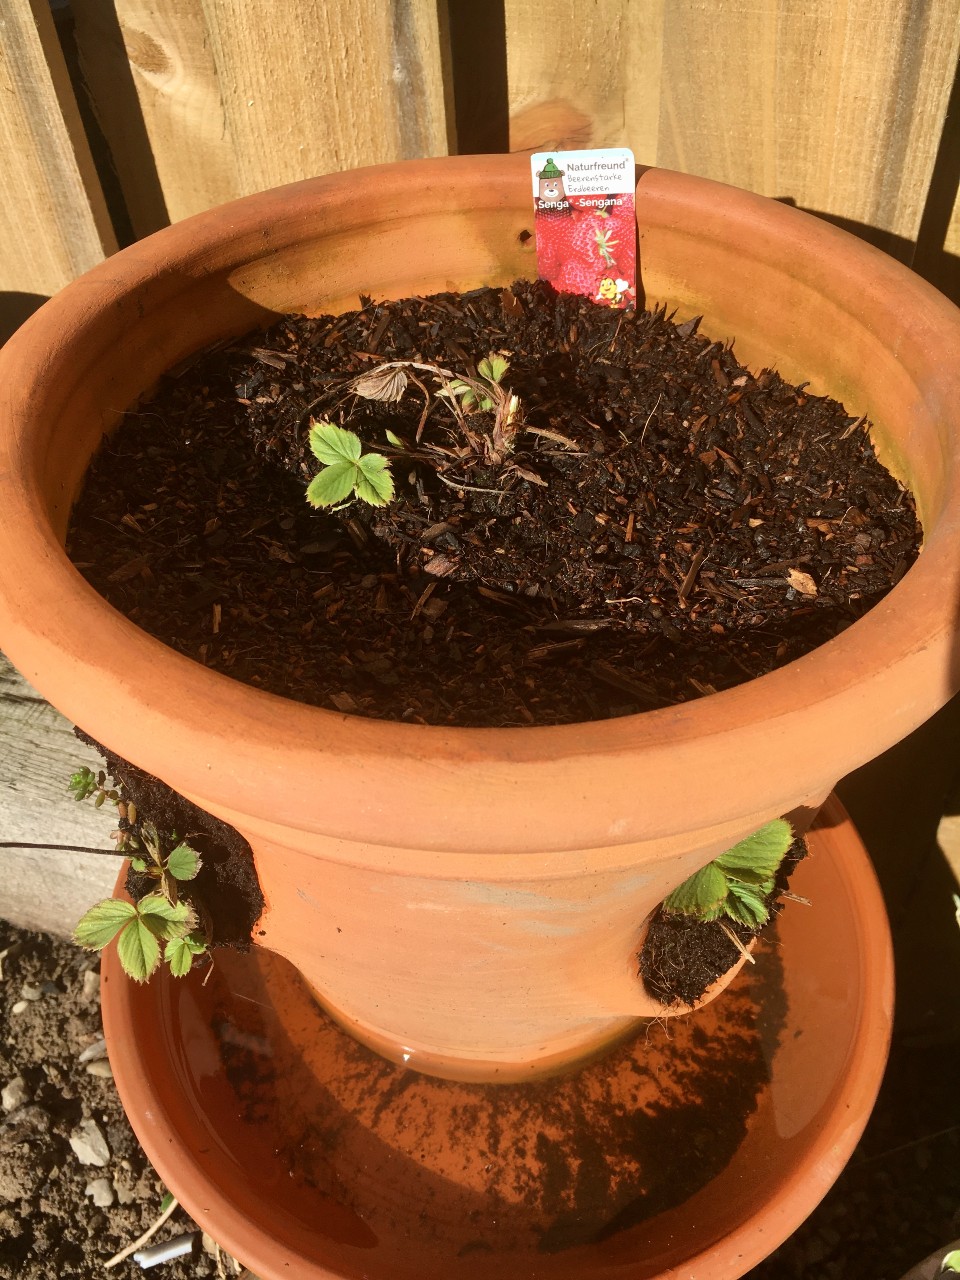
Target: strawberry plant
138,929
471,396
347,471
738,882
161,916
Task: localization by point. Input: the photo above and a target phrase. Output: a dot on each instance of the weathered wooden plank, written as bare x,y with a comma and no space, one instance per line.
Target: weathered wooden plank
838,106
53,219
46,889
205,100
584,75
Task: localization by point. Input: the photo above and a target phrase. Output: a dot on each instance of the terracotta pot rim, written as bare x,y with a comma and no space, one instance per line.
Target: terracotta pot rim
556,766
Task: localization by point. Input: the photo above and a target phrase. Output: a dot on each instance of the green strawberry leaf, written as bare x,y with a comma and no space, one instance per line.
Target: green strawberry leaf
333,484
102,923
701,895
746,905
393,438
375,483
756,879
184,862
330,443
493,368
179,953
762,852
166,919
138,864
457,387
138,951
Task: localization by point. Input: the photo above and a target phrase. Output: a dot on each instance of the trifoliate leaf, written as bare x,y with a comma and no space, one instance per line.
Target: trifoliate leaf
746,905
184,862
702,895
138,950
330,443
179,954
493,368
333,484
102,923
762,852
166,919
375,483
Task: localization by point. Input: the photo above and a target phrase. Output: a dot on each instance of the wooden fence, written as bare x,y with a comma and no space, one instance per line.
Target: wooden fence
122,115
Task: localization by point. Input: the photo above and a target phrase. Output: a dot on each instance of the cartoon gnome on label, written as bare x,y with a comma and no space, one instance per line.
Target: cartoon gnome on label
551,184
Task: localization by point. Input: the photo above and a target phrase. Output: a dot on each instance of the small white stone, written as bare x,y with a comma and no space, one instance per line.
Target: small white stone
100,1191
20,1006
91,985
101,1068
94,1051
30,991
14,1094
89,1145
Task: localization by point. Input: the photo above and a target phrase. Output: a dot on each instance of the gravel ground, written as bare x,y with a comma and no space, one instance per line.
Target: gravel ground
75,1187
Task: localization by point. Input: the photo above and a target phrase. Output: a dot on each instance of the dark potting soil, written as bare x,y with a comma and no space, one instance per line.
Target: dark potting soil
682,956
665,525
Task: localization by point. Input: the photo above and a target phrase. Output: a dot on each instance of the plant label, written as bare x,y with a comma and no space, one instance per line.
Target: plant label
585,223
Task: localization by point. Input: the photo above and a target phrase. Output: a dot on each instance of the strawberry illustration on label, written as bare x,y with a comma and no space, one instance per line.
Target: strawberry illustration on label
585,224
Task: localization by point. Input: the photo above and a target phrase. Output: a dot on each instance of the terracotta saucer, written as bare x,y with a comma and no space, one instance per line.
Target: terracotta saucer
692,1148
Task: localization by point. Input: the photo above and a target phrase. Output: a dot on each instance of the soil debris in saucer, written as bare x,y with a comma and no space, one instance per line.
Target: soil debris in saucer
666,524
380,1155
226,890
682,956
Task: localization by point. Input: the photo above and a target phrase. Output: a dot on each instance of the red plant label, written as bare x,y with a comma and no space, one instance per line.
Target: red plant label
586,224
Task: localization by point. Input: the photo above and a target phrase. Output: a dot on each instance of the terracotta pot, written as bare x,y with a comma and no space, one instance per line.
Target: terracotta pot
468,900
693,1150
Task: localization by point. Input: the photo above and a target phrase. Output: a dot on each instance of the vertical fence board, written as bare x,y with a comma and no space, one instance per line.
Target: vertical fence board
235,97
53,220
584,75
838,106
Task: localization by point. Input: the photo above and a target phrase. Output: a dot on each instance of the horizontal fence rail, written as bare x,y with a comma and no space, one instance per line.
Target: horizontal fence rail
157,109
